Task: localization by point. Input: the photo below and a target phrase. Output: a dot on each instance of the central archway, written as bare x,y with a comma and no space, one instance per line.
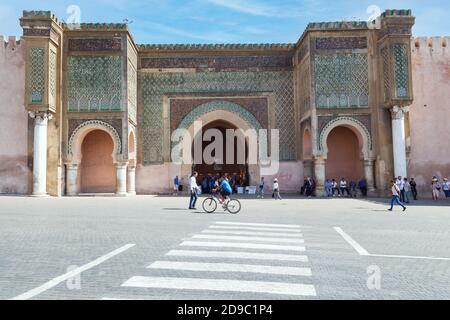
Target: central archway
210,113
344,155
98,173
235,170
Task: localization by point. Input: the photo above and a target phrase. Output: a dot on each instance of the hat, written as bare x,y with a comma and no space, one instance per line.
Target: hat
275,179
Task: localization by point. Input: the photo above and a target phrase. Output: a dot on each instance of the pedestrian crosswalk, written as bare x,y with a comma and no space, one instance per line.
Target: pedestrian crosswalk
233,257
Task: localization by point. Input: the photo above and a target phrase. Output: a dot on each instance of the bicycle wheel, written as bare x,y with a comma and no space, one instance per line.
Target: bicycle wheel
209,205
234,206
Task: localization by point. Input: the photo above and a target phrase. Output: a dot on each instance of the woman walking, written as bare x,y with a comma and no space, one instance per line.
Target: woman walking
276,190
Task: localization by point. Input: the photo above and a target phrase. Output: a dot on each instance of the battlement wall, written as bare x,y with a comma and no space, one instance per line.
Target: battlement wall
14,170
431,46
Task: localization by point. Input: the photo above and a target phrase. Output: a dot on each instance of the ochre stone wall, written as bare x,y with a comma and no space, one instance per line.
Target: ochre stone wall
430,113
14,170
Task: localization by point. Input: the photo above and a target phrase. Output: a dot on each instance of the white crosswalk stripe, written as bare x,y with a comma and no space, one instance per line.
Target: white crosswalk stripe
292,289
244,245
237,255
229,267
254,233
244,238
259,224
262,250
219,227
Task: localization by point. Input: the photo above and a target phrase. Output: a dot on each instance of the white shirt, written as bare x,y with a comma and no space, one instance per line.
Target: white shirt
343,184
394,190
400,184
275,185
193,183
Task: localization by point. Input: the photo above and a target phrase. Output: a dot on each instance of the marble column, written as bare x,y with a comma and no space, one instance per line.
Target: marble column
369,175
398,140
121,175
71,179
319,174
40,153
131,183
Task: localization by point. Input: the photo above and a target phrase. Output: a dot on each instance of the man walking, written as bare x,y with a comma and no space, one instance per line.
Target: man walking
193,188
395,190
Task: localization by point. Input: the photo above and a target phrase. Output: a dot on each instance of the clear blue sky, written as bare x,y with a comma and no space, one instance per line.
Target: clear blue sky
226,21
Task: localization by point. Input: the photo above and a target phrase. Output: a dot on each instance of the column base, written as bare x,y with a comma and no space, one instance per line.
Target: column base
132,193
40,195
121,194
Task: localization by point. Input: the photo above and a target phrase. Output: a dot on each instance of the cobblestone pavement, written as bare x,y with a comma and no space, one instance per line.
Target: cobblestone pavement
147,247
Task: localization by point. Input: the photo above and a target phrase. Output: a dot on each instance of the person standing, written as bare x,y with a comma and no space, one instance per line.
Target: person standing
446,188
276,190
176,185
435,188
352,187
362,185
407,190
329,188
395,191
413,185
193,188
309,187
401,186
261,188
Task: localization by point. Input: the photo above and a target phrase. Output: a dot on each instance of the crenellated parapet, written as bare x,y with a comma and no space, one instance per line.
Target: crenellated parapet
430,46
10,43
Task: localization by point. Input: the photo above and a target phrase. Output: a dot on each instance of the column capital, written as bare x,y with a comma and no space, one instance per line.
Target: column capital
397,112
319,159
40,116
121,164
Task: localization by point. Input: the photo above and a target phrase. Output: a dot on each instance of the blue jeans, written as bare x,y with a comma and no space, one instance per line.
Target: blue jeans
397,200
329,191
447,193
193,199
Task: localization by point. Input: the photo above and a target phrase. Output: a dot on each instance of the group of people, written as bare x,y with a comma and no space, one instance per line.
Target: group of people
333,188
403,190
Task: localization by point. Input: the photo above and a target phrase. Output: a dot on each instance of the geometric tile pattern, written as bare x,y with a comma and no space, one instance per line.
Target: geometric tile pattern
304,88
155,85
37,74
52,77
387,79
132,92
342,80
401,70
94,83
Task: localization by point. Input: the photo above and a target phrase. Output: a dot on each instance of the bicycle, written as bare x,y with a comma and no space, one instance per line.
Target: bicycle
231,205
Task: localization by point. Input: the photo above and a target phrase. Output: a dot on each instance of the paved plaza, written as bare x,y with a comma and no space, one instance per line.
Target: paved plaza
149,247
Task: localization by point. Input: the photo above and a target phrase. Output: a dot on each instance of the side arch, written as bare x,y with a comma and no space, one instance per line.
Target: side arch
78,135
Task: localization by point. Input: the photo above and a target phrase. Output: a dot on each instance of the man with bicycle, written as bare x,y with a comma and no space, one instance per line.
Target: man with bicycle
224,189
